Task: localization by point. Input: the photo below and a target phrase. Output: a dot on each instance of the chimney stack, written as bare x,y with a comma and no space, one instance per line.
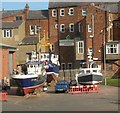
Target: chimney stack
26,10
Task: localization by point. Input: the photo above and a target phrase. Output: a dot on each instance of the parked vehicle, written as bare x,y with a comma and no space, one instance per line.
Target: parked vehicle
73,82
62,86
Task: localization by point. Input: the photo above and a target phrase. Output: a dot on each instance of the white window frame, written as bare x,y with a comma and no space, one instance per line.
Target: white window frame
37,29
54,13
7,33
80,47
84,12
90,51
32,30
52,47
62,30
62,12
56,26
71,11
112,49
89,28
71,27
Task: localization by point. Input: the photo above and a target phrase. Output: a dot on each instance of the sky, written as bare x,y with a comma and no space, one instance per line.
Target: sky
37,4
21,5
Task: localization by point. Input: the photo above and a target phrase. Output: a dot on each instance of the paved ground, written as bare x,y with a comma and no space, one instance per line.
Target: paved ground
105,100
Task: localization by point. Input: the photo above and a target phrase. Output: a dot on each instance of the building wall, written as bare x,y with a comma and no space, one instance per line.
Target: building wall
83,35
42,23
17,35
4,63
22,50
12,18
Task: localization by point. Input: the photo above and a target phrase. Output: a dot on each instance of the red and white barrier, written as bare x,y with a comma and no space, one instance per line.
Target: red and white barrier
83,89
3,96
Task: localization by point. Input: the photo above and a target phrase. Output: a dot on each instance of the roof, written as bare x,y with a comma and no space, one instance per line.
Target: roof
7,46
8,25
104,5
112,7
37,14
29,41
66,4
7,13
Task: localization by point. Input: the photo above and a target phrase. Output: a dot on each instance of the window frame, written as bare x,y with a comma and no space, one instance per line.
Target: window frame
70,27
62,30
71,12
37,29
7,33
54,13
32,31
62,66
89,28
84,12
69,66
62,13
112,49
80,47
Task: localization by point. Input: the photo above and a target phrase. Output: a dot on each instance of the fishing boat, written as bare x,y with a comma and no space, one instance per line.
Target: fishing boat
89,75
30,76
51,64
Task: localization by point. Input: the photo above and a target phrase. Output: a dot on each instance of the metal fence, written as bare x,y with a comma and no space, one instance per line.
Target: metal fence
68,74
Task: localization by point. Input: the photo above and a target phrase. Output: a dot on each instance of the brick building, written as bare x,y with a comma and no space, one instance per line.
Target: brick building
7,61
77,27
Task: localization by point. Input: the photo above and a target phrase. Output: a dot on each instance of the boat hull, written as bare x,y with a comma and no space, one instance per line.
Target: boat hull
30,84
89,79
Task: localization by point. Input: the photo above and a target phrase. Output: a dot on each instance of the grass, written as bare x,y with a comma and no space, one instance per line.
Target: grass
112,82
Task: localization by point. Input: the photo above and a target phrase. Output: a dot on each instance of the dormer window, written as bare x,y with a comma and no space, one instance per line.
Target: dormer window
71,11
7,33
37,29
54,13
18,17
84,12
62,12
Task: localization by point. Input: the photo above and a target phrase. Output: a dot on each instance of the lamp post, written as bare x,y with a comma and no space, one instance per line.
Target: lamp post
104,57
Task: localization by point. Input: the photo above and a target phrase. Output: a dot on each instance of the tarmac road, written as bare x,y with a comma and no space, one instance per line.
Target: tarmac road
105,100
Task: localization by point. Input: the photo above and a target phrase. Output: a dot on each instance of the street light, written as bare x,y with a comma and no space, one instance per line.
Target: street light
104,60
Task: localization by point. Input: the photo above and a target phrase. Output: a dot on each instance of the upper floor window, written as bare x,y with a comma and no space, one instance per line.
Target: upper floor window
37,29
79,27
56,26
90,51
62,28
112,49
34,29
80,47
18,17
84,12
52,47
90,28
71,11
71,27
62,12
7,33
54,13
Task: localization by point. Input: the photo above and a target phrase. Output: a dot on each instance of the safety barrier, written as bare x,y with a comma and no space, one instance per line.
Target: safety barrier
83,89
3,96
